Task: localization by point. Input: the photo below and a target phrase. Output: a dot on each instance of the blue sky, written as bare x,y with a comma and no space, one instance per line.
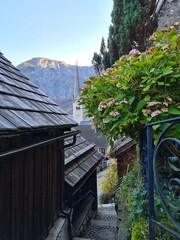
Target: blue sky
63,30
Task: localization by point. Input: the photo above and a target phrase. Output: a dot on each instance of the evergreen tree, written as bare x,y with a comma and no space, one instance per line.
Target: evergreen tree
97,63
103,49
112,46
132,23
105,55
106,61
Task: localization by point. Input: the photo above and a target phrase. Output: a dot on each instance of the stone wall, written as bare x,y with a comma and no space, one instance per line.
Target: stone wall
169,13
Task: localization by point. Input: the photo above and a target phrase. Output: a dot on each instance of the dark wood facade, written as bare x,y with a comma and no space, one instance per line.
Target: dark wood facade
32,133
125,152
93,136
81,161
31,191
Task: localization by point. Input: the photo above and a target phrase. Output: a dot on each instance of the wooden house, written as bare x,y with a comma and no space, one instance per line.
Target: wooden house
93,136
125,152
33,134
81,161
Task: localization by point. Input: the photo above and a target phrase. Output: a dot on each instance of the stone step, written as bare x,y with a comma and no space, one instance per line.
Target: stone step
109,209
103,223
106,212
106,206
83,239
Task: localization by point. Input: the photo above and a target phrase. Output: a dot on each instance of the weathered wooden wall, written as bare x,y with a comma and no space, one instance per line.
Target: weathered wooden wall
31,190
125,156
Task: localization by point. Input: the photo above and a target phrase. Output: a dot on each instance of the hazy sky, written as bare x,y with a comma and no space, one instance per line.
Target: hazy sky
63,30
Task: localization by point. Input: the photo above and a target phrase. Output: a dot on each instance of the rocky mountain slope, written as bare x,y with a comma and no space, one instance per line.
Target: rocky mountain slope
55,78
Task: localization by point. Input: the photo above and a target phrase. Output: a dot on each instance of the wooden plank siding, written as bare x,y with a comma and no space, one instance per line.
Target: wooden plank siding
125,155
32,136
30,195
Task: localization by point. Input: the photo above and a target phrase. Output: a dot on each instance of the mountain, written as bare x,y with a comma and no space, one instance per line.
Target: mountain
55,78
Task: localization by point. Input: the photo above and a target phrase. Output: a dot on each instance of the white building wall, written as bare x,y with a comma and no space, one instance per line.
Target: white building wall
78,112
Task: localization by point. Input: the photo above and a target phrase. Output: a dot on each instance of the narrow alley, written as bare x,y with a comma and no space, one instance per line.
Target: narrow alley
103,227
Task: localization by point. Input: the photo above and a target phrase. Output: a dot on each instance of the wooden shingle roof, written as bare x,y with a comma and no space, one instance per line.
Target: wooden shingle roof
93,137
122,145
81,159
23,105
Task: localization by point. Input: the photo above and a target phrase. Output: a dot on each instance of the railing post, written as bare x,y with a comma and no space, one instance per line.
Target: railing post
150,181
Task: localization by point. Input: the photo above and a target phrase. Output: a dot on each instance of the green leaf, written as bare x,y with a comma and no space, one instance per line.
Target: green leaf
108,119
120,96
156,126
139,210
161,83
105,112
175,75
131,100
167,71
142,103
146,88
147,98
174,111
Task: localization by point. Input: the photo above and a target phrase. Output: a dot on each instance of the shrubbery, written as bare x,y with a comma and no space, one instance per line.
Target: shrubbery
132,199
138,89
109,184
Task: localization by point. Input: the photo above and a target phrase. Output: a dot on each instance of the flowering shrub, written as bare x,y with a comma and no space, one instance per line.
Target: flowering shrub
139,88
109,183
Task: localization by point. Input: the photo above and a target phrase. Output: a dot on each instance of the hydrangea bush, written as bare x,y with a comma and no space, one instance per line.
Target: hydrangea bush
138,89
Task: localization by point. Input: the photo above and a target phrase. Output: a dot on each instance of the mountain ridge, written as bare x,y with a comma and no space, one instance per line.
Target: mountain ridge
55,78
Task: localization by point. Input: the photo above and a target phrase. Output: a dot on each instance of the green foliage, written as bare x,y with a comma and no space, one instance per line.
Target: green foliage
137,203
132,23
132,198
103,49
105,55
140,230
140,88
109,184
129,183
97,63
164,235
112,46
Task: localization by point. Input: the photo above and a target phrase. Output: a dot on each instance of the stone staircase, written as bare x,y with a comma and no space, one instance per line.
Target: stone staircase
103,226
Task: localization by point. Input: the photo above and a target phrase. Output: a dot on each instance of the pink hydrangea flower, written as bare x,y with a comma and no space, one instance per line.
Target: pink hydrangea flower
155,113
152,38
134,52
151,104
113,114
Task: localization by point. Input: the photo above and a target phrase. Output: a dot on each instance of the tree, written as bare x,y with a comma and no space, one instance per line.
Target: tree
103,49
138,89
133,21
106,61
97,63
105,55
112,46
